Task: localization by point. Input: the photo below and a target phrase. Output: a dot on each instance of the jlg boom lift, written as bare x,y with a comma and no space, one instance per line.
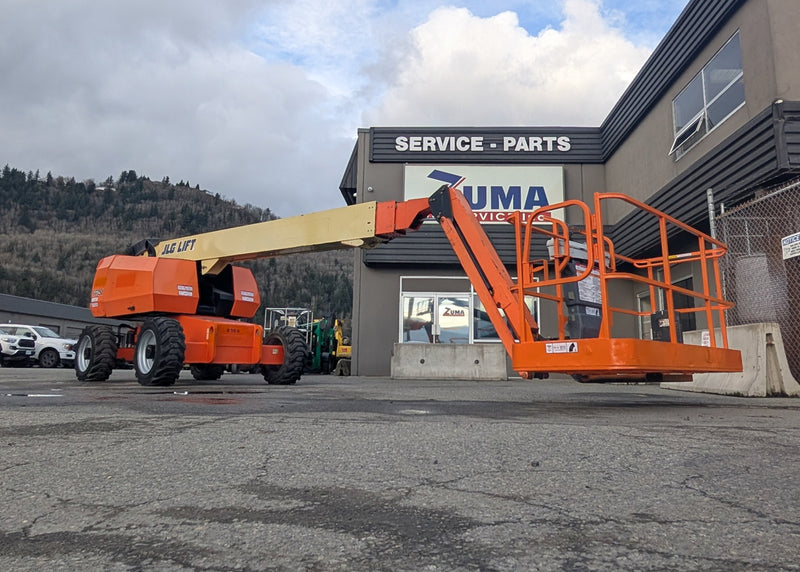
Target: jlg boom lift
189,297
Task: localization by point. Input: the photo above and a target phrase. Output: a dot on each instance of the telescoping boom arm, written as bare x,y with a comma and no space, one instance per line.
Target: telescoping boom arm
362,225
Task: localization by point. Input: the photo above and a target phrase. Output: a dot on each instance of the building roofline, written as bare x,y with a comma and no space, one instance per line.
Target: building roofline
691,32
19,305
694,28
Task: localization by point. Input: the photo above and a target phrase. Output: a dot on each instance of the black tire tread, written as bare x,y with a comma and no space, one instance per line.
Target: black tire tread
207,371
104,353
171,349
295,355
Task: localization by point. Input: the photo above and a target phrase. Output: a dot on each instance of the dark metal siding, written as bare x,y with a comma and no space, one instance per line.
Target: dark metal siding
586,145
428,246
789,125
349,182
692,31
747,158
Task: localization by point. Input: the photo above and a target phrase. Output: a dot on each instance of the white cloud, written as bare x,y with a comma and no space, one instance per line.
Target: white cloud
260,100
102,89
464,70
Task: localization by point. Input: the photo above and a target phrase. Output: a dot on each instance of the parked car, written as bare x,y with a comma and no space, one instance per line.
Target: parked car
15,350
51,350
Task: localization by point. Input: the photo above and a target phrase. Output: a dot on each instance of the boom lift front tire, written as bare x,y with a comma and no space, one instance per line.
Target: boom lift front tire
159,352
295,355
207,371
95,354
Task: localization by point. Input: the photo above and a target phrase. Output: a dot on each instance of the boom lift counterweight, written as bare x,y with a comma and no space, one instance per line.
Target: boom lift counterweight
189,295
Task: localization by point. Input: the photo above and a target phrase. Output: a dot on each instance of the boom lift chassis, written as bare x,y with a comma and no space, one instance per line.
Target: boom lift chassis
190,298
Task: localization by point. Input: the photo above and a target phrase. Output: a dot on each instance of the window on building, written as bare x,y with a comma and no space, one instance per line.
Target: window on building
688,320
432,315
645,307
417,318
483,330
710,98
481,325
439,318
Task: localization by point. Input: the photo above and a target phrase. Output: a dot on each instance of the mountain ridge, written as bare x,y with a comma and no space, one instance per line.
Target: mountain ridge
55,230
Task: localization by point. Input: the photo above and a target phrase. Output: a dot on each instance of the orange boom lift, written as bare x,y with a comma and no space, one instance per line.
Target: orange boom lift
190,297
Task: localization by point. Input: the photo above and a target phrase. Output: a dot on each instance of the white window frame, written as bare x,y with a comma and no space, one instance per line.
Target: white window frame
700,121
435,294
451,293
644,321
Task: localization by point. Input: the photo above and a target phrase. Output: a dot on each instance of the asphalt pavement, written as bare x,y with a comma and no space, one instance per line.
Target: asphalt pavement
373,474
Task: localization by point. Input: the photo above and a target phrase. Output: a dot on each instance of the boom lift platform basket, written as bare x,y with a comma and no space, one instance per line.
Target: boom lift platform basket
599,356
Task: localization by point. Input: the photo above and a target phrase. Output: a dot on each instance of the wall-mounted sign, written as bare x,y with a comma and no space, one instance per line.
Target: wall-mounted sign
791,245
477,143
493,192
486,145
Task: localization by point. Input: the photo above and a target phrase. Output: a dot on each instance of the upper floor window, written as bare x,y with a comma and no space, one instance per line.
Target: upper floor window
710,98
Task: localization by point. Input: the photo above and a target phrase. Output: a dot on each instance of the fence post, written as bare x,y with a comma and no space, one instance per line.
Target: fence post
712,221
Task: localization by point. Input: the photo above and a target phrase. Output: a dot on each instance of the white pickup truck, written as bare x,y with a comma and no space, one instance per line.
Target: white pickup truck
15,350
50,349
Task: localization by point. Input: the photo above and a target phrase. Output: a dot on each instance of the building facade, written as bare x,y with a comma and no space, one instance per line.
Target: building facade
65,320
714,112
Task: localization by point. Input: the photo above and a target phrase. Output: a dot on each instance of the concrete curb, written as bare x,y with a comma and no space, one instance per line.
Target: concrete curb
449,361
766,369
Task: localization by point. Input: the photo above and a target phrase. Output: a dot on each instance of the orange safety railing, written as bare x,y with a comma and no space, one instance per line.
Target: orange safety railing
546,279
594,355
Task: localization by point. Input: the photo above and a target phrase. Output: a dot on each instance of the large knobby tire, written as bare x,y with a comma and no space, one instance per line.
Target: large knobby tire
95,354
295,355
342,367
207,371
159,352
49,357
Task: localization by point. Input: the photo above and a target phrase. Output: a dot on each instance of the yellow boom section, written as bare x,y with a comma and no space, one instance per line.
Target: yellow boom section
326,230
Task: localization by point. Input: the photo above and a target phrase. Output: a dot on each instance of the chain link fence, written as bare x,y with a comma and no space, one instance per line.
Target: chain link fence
764,286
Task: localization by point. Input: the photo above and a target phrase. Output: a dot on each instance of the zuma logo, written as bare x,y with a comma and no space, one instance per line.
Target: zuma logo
454,312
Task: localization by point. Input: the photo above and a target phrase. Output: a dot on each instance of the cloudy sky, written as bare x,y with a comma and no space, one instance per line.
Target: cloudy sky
260,100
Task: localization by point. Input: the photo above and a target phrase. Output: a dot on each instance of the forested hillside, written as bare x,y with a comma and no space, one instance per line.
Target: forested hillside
54,231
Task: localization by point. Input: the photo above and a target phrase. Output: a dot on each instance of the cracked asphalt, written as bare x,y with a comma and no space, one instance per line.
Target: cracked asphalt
373,474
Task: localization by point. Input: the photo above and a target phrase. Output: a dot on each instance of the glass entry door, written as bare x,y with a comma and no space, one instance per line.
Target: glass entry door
436,318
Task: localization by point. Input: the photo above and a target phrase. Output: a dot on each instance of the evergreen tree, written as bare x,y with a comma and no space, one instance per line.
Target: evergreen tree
25,220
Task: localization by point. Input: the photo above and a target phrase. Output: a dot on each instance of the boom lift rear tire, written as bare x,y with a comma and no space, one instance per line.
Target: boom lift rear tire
207,371
295,355
96,352
159,352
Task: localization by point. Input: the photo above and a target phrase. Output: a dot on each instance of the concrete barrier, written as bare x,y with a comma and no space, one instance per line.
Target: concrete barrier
449,361
765,368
